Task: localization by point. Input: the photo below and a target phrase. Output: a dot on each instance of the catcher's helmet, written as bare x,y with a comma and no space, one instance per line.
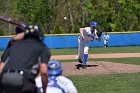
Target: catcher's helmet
54,68
20,29
94,23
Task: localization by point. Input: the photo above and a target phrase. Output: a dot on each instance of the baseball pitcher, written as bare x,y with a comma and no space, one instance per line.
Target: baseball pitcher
87,35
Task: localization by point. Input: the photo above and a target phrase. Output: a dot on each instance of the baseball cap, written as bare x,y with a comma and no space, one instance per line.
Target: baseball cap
94,23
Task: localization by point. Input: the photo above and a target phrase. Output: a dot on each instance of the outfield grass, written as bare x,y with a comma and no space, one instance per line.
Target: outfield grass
118,83
132,49
133,60
1,53
71,51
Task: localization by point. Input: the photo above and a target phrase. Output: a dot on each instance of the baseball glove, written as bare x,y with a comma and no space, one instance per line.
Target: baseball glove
99,33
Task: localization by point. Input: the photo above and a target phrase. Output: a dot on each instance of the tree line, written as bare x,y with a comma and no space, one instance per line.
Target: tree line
67,16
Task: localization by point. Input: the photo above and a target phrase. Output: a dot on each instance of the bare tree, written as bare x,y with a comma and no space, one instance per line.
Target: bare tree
84,15
71,28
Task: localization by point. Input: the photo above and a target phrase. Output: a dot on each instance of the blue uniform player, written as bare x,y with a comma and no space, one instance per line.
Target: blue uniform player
87,35
106,39
57,83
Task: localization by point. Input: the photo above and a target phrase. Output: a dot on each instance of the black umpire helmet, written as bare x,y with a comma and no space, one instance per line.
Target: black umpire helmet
34,31
20,29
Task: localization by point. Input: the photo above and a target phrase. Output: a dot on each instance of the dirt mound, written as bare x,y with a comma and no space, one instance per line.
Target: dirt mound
98,68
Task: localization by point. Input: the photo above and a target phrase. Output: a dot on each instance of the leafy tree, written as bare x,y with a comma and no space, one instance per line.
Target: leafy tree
111,15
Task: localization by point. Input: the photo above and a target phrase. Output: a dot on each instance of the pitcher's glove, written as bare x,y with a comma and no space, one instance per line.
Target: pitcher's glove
99,33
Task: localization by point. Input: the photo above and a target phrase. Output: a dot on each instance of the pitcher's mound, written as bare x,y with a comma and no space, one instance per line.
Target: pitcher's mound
96,68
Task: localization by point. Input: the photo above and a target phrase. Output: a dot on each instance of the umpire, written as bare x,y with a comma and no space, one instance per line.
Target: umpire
19,36
23,62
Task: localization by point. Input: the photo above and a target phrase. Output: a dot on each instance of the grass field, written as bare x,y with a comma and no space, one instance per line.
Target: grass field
132,49
71,51
115,83
133,60
118,83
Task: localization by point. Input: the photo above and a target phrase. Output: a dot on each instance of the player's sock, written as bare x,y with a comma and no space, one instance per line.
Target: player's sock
105,45
85,59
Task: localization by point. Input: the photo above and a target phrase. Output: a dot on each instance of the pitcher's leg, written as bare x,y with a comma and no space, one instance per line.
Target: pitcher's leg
85,55
80,52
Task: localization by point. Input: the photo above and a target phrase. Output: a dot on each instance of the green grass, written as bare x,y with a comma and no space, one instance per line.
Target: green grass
1,53
133,60
71,51
130,49
117,83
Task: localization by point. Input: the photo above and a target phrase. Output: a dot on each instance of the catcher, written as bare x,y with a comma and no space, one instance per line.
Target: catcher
57,83
87,34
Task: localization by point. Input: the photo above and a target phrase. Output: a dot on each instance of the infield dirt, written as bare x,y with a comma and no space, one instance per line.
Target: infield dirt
100,67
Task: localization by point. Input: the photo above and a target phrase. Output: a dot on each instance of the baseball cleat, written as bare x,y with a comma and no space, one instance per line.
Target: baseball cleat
78,66
84,66
80,61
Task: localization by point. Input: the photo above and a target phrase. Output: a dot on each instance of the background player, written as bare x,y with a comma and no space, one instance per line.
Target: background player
87,35
106,39
57,83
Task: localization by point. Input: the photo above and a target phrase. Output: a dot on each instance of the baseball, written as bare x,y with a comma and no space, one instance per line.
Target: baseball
65,18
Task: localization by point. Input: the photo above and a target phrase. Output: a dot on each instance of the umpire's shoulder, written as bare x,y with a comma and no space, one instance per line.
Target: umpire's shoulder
45,45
